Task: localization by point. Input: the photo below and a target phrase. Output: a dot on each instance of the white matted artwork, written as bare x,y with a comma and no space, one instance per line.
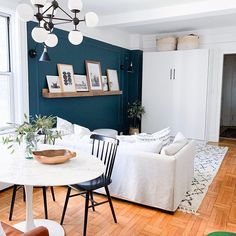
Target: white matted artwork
113,80
94,74
54,85
66,76
105,83
81,84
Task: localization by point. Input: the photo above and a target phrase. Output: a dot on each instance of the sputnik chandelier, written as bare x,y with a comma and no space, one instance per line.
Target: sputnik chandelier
47,20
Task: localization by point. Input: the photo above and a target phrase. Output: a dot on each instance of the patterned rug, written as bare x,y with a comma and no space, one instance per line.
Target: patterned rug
206,165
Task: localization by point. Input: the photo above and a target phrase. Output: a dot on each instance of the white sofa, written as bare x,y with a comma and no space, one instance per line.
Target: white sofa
147,178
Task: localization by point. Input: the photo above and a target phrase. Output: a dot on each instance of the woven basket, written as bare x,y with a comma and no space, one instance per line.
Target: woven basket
166,44
188,42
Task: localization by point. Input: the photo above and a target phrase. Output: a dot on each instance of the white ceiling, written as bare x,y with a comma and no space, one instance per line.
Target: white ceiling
109,7
157,16
207,22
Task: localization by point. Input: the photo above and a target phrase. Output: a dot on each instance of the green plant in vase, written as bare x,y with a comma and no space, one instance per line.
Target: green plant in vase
29,134
135,112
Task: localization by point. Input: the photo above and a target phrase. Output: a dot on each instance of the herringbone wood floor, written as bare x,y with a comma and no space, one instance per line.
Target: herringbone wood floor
217,212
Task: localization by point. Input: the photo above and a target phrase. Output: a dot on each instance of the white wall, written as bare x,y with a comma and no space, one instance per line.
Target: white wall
220,41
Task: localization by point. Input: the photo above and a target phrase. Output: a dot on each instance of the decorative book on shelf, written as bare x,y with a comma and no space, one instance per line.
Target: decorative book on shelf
46,94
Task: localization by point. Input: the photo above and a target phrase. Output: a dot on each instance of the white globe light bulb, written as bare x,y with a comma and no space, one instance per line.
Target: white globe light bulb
91,19
49,11
75,37
38,2
39,34
51,40
25,12
75,5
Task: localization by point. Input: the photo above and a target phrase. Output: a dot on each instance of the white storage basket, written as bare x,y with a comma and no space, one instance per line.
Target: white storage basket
188,42
166,44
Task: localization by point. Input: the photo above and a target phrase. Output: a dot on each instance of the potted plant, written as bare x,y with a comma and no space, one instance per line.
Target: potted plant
135,112
29,133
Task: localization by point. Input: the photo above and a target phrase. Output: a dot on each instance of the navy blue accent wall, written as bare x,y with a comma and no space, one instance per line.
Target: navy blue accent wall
92,112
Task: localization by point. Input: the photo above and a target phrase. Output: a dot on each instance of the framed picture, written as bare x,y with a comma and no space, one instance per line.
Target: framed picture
81,84
113,80
105,83
66,76
94,74
54,85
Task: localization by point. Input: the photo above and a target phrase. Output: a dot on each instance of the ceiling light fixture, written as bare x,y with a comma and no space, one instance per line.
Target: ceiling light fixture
47,20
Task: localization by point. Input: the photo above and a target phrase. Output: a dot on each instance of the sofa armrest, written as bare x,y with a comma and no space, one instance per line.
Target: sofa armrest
184,172
39,231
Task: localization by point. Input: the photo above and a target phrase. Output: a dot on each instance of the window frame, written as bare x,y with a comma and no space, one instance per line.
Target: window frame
9,71
18,66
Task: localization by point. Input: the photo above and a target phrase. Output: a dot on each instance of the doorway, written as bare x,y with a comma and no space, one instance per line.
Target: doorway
228,100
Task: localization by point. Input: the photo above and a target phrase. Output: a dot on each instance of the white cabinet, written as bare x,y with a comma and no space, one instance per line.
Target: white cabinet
174,92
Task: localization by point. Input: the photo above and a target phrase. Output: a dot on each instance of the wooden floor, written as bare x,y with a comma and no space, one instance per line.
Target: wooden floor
217,212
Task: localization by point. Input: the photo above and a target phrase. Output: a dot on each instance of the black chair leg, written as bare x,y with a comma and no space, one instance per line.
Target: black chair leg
86,213
53,195
91,195
65,205
45,201
12,202
110,203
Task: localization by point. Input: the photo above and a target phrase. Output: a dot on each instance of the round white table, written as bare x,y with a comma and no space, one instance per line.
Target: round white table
15,169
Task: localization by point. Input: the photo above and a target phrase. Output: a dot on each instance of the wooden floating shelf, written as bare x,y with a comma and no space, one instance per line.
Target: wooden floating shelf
46,94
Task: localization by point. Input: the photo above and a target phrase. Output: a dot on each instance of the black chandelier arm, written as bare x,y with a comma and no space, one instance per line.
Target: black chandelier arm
47,9
65,12
57,18
60,23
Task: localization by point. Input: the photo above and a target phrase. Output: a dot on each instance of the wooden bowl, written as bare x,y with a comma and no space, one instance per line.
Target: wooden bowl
53,156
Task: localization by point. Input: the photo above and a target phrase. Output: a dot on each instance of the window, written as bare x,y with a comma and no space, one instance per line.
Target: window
6,81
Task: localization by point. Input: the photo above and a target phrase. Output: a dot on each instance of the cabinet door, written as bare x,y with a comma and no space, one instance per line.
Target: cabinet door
190,93
157,91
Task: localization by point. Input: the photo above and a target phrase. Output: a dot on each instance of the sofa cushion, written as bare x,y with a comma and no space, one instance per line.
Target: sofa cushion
106,132
154,146
126,138
64,126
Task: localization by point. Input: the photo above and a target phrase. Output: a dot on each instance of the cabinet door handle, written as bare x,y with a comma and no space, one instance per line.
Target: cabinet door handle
170,74
174,74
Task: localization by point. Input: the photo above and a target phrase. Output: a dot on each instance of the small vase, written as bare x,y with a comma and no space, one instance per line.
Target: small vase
30,141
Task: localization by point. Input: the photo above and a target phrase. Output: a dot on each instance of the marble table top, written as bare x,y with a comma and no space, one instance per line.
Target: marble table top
15,169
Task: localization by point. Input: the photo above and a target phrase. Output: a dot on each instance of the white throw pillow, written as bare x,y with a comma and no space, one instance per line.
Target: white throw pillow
153,147
179,142
64,126
162,135
179,137
2,233
81,131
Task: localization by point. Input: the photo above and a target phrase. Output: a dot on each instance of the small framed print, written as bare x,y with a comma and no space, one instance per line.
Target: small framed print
113,80
94,74
66,76
105,83
81,84
54,85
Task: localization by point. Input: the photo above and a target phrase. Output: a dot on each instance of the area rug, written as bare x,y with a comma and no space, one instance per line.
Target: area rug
206,165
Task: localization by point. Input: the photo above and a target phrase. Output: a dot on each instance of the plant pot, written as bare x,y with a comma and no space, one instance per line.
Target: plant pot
133,130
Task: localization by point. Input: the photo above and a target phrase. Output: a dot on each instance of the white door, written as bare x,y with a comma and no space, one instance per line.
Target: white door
157,90
190,93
